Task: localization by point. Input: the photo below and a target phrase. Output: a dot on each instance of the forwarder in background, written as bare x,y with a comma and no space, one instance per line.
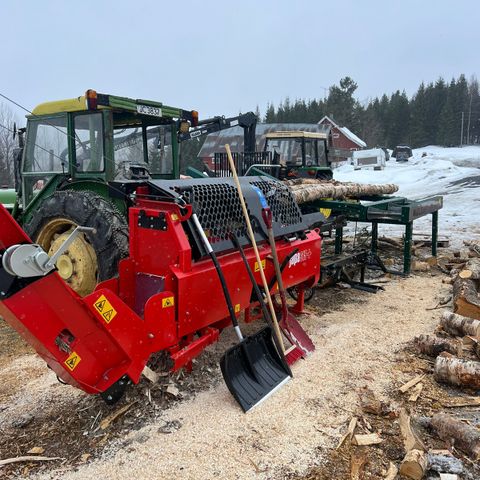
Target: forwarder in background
74,157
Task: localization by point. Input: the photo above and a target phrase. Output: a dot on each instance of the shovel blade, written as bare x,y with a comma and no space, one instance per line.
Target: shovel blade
296,335
253,369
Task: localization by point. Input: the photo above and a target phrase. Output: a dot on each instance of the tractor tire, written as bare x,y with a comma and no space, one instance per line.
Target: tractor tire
92,257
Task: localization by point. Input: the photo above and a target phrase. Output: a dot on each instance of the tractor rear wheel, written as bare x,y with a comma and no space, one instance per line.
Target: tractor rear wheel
91,258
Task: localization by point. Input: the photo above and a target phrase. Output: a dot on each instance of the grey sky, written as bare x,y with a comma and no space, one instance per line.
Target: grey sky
222,57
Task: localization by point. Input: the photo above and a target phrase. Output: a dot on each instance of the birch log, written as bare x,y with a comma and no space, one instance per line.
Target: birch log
460,325
433,346
452,370
307,190
465,437
471,270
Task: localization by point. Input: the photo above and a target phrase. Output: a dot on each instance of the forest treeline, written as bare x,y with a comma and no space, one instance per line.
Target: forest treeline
432,116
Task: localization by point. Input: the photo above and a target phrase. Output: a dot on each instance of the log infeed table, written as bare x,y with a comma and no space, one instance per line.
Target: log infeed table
388,210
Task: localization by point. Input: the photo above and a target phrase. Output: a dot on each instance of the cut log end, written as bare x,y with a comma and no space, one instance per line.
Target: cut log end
414,465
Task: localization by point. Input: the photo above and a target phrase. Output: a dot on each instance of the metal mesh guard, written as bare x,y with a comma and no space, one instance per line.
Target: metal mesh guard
218,207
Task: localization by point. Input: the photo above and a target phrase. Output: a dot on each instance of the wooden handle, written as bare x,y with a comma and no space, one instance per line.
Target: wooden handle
255,249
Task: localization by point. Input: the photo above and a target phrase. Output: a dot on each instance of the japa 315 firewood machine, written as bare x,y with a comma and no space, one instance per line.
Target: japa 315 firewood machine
167,297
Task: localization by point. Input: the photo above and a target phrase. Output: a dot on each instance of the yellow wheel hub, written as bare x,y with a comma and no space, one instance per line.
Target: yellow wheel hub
78,265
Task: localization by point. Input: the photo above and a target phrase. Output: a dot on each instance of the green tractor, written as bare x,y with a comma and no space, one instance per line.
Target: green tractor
299,154
71,156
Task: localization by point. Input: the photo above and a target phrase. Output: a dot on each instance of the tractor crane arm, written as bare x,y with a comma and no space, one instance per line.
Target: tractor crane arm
248,121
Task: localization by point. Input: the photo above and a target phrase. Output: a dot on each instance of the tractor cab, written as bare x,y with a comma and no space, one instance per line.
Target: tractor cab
95,139
299,154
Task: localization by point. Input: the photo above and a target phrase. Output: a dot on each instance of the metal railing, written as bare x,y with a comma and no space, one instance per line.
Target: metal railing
243,161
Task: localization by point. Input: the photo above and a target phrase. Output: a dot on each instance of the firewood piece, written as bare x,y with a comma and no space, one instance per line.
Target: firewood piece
348,433
414,465
417,390
457,402
459,325
471,270
105,423
391,241
28,458
465,298
357,461
367,439
392,472
411,383
410,438
449,476
419,266
455,371
444,462
370,404
433,346
465,437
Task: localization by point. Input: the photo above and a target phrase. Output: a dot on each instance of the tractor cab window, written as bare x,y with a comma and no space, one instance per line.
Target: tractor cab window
89,143
128,150
311,158
160,154
47,145
46,153
322,153
288,151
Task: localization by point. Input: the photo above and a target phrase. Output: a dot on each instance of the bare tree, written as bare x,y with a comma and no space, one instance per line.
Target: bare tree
7,145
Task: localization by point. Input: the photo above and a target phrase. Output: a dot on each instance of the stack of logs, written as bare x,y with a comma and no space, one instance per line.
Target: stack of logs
309,189
456,349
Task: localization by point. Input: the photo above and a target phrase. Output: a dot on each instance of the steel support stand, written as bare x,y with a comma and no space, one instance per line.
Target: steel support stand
338,240
407,248
374,246
434,233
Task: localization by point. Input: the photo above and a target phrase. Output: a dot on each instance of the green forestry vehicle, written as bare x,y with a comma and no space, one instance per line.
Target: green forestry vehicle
69,158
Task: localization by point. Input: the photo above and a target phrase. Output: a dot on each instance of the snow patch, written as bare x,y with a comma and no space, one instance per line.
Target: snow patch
453,173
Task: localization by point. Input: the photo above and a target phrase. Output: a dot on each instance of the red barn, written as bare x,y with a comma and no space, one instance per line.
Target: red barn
344,142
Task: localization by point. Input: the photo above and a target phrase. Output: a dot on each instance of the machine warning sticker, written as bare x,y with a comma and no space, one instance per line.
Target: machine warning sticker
237,308
105,309
257,268
72,361
168,302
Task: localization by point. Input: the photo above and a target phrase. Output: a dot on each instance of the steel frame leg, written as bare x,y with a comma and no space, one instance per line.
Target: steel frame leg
338,240
407,248
434,233
374,245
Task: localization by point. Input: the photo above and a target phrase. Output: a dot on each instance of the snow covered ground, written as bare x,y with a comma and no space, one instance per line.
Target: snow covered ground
451,172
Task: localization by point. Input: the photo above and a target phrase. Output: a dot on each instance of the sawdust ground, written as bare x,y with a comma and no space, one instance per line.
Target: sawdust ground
358,336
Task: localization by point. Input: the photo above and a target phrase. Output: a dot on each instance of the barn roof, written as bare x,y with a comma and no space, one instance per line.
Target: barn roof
348,133
215,142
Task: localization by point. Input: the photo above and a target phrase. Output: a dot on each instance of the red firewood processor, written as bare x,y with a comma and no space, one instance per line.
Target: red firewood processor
191,272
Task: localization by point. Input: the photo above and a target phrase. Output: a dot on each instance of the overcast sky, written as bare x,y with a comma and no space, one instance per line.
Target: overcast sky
222,57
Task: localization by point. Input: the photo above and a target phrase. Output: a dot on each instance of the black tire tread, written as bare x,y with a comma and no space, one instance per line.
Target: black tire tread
89,209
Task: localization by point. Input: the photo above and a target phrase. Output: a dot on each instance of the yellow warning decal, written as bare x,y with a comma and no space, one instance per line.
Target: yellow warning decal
174,217
104,308
168,302
72,361
257,269
237,308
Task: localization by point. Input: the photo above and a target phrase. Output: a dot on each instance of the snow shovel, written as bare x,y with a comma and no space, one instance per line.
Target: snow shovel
253,369
251,235
288,323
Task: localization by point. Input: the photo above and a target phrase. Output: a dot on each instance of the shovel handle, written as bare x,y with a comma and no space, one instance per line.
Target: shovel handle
255,249
267,217
226,293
